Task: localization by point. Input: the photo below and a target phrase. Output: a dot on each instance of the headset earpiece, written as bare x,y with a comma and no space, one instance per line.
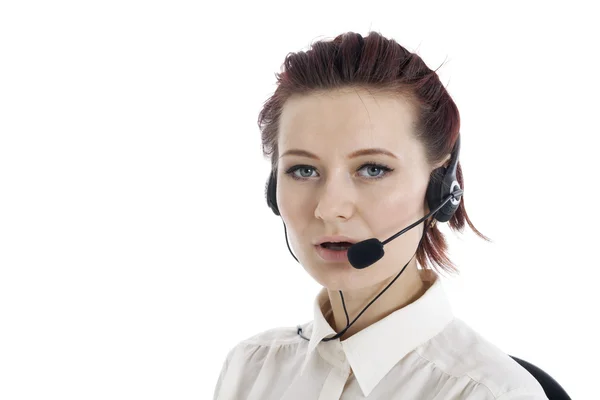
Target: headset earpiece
441,184
271,192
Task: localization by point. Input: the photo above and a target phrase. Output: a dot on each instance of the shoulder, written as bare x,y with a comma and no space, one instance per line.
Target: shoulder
269,350
461,351
273,344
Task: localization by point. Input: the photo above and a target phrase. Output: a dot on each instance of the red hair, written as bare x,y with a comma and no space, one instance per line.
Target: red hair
378,65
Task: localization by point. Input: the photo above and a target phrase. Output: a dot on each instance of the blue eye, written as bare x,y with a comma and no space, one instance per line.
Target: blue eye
376,167
301,168
305,169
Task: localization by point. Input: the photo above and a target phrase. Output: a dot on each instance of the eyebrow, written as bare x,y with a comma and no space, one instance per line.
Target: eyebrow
357,153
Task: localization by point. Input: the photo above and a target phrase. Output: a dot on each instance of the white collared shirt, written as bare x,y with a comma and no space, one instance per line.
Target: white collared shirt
421,351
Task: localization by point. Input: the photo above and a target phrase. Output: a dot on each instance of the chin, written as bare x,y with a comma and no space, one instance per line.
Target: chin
338,276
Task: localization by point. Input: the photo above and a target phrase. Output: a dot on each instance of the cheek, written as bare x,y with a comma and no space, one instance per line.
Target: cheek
395,213
292,203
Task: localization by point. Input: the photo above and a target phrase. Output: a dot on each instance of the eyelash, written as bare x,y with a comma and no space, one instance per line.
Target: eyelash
383,167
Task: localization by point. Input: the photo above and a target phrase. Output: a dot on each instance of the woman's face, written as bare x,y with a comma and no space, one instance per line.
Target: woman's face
336,192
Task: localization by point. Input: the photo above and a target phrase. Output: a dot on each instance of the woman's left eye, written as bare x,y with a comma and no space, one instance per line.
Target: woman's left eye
373,169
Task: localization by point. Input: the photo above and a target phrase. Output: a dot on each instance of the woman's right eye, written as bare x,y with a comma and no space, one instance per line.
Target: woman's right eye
300,172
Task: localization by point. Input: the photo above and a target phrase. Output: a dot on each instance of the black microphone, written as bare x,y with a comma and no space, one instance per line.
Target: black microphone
369,251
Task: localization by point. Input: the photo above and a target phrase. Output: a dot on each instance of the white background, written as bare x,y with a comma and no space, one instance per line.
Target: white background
136,247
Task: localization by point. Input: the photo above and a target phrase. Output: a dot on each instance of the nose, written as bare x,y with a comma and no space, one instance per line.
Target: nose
336,200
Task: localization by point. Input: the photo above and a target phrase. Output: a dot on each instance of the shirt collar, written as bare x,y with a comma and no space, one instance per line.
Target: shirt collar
373,351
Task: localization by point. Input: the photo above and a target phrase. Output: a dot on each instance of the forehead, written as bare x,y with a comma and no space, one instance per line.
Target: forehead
346,117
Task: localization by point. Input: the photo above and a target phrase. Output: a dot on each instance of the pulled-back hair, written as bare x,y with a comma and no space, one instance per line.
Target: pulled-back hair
379,65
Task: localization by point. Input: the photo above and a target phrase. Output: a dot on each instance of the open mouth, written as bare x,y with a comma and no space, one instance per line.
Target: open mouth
338,246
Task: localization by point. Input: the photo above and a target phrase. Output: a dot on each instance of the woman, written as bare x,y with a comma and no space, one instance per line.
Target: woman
364,141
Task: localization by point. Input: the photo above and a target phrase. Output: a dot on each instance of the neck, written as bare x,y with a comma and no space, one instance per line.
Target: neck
405,290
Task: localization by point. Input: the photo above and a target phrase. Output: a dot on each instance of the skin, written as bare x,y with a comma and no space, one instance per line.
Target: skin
337,195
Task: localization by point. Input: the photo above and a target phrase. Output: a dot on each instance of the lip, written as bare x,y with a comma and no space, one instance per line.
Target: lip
334,256
335,238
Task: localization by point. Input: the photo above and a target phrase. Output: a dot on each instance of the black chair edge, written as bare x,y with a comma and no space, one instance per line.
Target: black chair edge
553,390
